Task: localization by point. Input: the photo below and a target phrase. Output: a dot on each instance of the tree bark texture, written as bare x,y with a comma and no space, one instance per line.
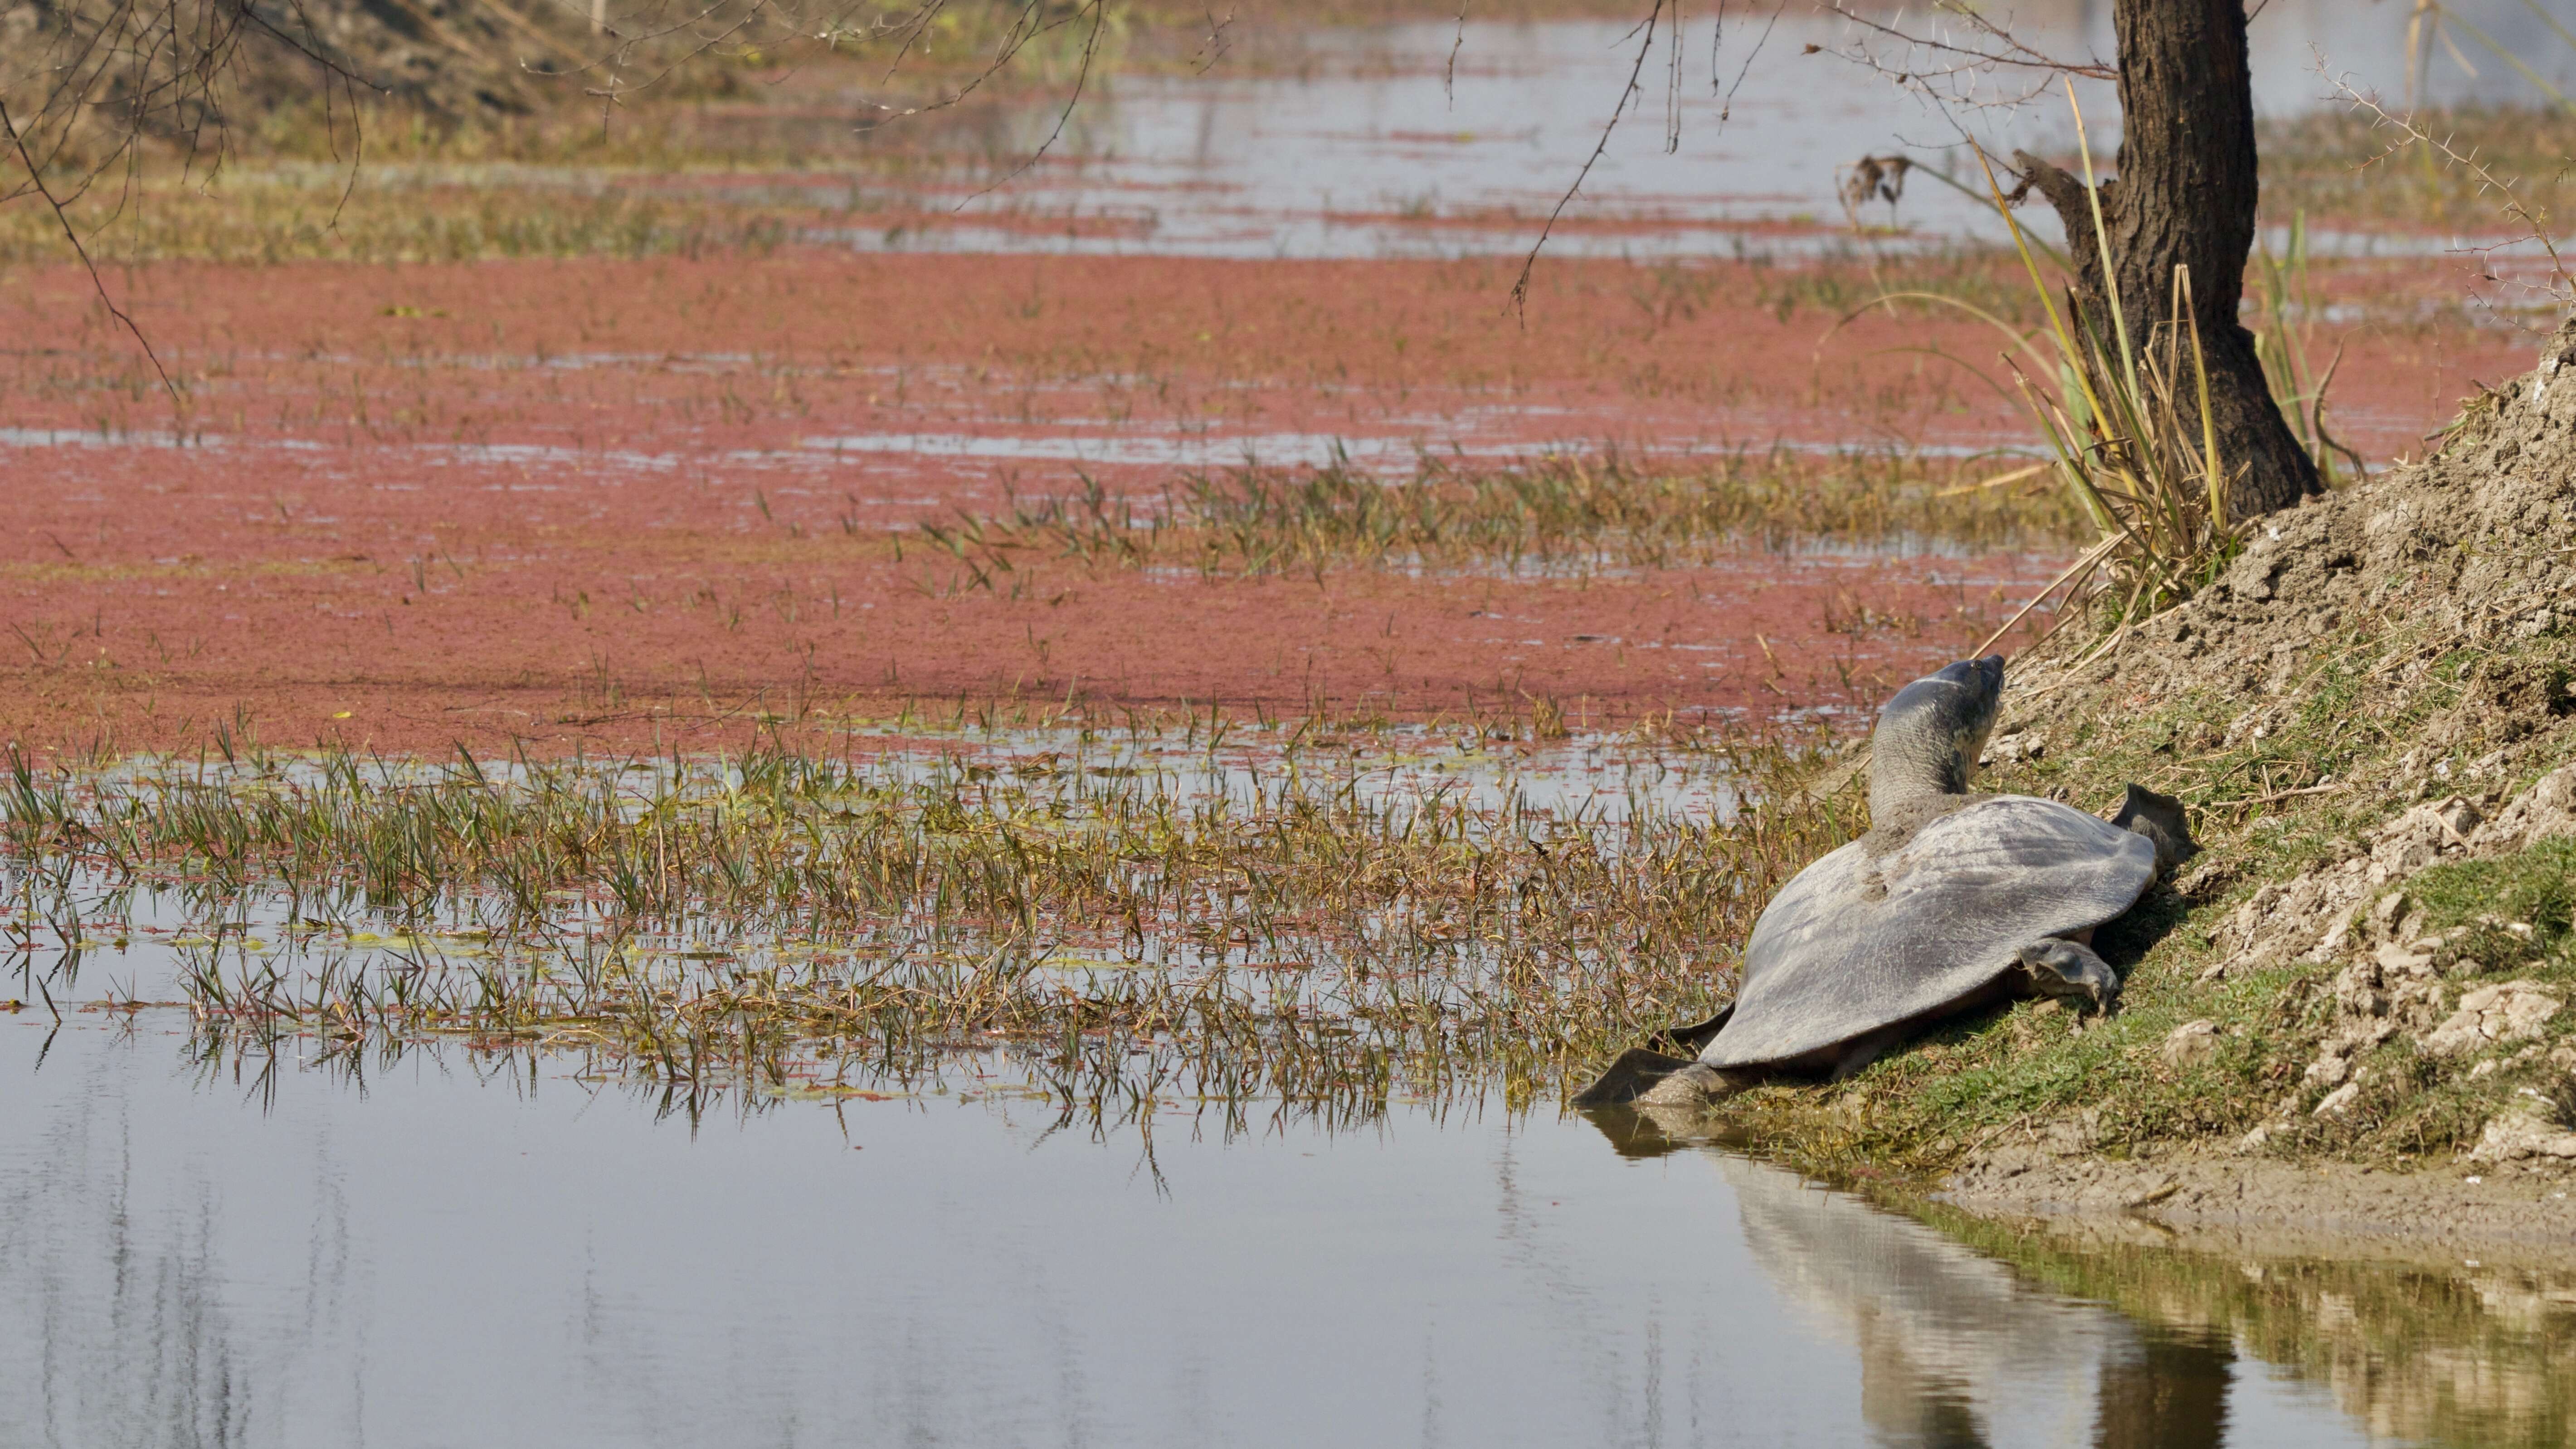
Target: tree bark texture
2185,195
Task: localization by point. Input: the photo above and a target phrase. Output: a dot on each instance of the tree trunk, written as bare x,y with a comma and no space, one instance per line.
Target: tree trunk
2173,1393
2185,196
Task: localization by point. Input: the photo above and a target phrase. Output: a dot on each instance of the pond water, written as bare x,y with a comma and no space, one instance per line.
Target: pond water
1447,139
459,1246
455,1249
216,1236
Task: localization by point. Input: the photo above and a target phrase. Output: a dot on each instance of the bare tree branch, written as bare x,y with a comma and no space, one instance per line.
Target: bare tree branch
2007,50
2561,287
1717,42
71,234
110,81
1627,96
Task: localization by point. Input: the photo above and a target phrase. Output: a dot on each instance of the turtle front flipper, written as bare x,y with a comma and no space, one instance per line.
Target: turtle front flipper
1638,1069
1633,1075
2059,967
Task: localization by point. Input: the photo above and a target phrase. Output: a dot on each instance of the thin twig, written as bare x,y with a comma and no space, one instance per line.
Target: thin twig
2513,206
71,234
1449,76
1636,74
2012,52
1726,108
1082,77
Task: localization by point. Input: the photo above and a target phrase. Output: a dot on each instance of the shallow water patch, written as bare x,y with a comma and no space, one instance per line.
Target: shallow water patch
1328,916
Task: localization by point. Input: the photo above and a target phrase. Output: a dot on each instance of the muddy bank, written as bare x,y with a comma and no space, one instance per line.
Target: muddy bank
2350,1014
2056,1181
2273,1208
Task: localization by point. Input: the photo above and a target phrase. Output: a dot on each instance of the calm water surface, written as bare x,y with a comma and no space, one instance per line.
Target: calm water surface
1442,139
440,1255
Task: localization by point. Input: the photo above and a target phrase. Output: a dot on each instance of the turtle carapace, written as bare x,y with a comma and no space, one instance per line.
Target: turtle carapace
1951,901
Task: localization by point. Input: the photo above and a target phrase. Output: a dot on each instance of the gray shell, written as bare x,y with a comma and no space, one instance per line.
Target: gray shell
1857,942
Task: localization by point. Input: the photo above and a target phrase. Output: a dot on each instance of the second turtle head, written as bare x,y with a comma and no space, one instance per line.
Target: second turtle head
1929,736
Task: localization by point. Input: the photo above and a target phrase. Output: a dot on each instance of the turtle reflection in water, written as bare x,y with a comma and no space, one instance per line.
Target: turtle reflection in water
1950,902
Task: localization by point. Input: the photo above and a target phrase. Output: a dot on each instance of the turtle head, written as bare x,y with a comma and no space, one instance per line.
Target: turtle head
1929,736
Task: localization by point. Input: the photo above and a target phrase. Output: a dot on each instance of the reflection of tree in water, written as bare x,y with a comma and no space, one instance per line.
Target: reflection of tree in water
1948,1320
1907,1406
111,1331
2171,1393
2466,1353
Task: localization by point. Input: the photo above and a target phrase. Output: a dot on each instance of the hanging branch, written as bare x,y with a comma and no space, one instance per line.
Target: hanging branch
109,82
71,234
1081,79
1717,42
1627,97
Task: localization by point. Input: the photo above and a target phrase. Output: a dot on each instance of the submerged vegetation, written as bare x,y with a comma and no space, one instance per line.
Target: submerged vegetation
1561,513
1294,928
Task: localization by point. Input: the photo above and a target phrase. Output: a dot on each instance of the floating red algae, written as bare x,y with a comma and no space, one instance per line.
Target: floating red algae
732,355
621,503
513,628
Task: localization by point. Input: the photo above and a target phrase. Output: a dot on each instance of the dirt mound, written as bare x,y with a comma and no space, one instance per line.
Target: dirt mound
2473,543
2370,716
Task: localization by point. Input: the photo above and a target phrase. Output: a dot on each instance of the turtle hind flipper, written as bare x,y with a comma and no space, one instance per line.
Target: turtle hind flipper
2160,818
1638,1069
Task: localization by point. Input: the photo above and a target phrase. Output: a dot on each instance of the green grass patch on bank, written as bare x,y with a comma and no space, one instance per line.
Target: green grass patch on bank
2535,888
2249,763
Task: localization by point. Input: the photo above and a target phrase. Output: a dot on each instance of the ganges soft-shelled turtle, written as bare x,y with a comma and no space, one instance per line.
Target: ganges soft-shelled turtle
1950,902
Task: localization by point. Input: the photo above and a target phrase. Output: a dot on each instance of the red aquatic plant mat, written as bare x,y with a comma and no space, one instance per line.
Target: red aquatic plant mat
616,504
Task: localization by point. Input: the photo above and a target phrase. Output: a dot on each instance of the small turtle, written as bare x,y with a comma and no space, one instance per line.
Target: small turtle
1951,901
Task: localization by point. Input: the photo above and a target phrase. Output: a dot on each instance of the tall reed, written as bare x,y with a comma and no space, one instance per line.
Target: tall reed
2127,427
